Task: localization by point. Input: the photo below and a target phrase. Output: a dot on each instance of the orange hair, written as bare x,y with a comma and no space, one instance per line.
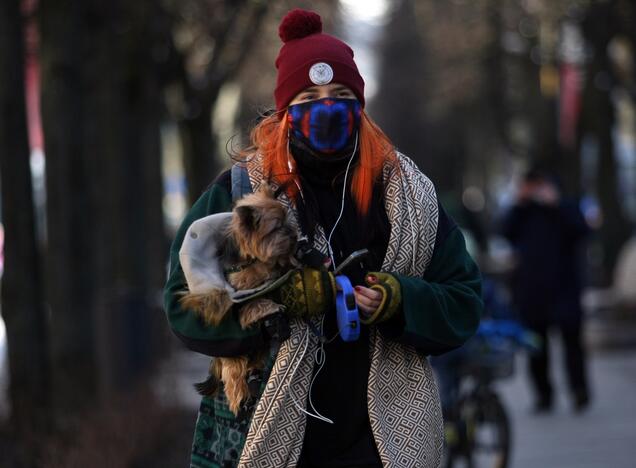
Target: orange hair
270,138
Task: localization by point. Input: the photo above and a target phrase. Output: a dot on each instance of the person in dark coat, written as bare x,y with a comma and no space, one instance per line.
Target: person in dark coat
546,231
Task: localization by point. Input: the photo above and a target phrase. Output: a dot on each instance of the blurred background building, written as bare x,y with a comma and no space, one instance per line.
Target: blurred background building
115,116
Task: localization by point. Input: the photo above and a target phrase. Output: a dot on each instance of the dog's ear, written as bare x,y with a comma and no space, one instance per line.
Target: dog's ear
247,216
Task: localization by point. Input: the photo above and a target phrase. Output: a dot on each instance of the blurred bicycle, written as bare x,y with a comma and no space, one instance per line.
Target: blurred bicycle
477,428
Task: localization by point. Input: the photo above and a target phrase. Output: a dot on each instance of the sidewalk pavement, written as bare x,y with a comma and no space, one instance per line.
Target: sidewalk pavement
177,375
604,436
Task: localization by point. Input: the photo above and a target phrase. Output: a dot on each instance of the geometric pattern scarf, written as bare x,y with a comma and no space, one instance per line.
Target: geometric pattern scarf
403,399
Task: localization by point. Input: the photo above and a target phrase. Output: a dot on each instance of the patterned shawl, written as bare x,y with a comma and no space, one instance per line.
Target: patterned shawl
403,400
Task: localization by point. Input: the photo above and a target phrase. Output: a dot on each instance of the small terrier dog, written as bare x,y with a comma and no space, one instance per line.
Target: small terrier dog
259,246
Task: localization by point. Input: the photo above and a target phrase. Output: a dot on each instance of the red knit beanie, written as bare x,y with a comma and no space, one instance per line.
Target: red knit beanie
309,58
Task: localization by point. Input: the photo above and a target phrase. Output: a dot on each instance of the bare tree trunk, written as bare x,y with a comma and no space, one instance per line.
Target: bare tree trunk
129,305
101,112
201,163
233,40
399,109
22,294
598,119
64,50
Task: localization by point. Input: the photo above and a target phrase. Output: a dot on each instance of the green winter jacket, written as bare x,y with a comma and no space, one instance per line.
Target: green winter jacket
449,292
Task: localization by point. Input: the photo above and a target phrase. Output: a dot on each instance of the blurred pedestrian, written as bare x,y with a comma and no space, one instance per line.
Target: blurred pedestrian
546,231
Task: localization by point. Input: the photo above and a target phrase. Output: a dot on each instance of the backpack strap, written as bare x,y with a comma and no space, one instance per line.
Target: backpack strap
241,185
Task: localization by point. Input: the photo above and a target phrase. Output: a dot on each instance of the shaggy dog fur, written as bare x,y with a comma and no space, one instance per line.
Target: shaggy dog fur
259,246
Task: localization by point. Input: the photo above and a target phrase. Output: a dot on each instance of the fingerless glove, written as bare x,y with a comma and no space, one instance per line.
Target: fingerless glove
307,292
391,300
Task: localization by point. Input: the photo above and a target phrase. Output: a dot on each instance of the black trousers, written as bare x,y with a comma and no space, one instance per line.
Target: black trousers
574,353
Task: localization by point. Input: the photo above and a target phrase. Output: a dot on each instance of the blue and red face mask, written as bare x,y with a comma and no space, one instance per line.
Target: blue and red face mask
325,125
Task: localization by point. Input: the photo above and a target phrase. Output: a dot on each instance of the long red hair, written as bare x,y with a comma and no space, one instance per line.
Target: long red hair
270,138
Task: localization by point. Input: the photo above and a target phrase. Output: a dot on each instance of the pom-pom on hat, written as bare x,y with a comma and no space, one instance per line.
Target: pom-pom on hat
309,58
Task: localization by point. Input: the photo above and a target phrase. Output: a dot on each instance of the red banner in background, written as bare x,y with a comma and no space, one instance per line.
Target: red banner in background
569,104
32,74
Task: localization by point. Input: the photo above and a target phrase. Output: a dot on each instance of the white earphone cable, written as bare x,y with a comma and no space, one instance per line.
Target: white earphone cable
317,414
320,355
344,191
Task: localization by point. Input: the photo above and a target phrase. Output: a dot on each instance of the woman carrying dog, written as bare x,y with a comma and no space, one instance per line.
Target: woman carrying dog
321,401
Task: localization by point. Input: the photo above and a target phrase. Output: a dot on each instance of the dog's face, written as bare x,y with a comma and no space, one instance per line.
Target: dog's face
261,229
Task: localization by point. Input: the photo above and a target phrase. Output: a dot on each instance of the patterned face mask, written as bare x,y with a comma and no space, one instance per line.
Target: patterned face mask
325,125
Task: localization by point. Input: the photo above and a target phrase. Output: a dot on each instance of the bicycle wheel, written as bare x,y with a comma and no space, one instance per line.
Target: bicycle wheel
488,430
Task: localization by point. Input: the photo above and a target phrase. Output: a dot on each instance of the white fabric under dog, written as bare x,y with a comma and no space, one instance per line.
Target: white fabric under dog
200,264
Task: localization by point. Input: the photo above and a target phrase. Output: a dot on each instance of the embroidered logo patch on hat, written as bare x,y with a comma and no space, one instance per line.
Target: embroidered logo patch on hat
321,73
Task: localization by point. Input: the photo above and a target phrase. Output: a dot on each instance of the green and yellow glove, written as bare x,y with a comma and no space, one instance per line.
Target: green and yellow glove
308,292
391,300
